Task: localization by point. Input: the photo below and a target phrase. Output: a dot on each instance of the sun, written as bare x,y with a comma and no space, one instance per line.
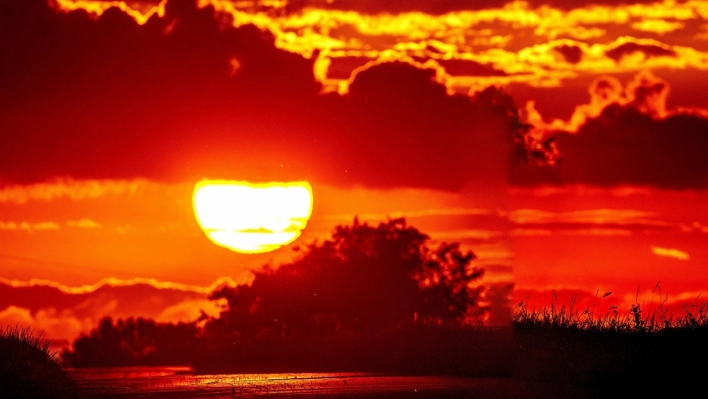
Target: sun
252,217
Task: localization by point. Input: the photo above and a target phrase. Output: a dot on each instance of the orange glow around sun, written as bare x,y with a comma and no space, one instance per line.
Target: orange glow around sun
252,218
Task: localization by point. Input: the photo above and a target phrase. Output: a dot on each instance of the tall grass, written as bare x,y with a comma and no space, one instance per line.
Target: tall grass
638,318
29,368
643,351
27,336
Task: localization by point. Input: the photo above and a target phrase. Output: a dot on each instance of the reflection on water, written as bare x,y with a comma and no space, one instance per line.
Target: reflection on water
180,381
102,373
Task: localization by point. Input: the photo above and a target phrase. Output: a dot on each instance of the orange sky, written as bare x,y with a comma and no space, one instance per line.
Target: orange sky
114,111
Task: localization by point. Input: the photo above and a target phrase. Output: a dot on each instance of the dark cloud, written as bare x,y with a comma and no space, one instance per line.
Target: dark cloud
342,67
469,68
572,54
397,124
649,50
437,7
625,146
121,300
186,97
395,7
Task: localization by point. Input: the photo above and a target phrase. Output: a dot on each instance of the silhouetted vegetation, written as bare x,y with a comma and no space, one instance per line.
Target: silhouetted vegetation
370,298
377,298
135,342
622,354
365,277
29,369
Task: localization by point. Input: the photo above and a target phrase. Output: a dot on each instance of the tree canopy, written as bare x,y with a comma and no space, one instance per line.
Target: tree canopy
364,277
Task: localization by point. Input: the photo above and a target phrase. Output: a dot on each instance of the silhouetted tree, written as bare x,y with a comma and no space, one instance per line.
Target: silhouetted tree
448,282
363,278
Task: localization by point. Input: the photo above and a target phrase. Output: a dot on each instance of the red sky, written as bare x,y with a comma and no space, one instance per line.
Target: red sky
112,111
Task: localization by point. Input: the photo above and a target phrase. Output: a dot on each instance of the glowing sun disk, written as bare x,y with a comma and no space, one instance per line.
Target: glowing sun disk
251,218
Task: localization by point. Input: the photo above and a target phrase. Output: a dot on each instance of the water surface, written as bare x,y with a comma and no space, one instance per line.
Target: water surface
179,382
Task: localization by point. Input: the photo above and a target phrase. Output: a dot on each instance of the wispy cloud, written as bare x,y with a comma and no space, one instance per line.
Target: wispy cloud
116,282
140,11
670,253
597,232
84,223
523,232
597,222
658,26
468,234
61,327
413,214
29,227
580,190
695,227
591,216
69,188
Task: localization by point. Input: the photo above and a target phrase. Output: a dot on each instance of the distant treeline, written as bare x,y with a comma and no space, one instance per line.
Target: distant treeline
135,342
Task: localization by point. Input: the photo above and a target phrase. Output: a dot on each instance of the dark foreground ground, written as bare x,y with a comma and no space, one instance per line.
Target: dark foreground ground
167,383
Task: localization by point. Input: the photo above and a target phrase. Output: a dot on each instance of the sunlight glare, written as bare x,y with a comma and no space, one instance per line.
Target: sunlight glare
252,218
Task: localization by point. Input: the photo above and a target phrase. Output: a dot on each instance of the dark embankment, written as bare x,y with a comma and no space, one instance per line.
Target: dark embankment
28,369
